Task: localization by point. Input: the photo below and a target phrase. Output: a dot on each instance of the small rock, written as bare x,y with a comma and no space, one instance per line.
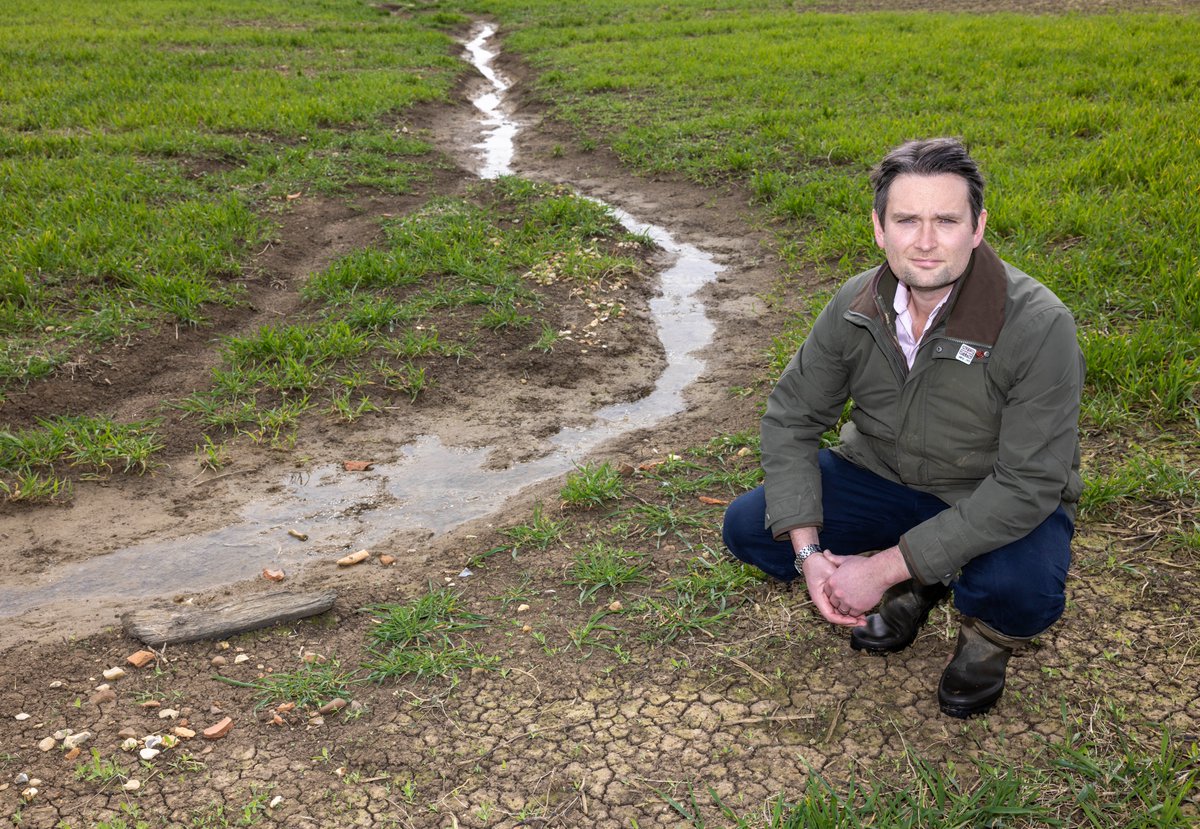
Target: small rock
285,707
185,733
276,719
332,706
222,646
168,714
56,683
219,661
216,732
151,703
100,697
744,451
76,740
625,470
466,573
103,686
521,608
21,779
357,466
354,558
71,755
29,794
357,707
298,535
273,575
314,658
47,744
152,741
240,658
275,801
129,744
114,673
317,721
132,784
149,753
140,659
22,717
169,741
386,560
62,733
526,628
616,606
127,734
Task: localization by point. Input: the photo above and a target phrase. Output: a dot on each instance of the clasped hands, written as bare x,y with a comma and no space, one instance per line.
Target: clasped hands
844,588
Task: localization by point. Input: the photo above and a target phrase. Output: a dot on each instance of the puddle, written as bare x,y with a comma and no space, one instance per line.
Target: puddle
433,488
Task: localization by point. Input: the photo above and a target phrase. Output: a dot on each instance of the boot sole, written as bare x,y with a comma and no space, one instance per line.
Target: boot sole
884,650
963,712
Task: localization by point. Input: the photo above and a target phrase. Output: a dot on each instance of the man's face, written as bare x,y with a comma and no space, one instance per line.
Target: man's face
927,233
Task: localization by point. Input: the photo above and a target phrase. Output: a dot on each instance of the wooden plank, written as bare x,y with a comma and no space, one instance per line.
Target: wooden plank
171,626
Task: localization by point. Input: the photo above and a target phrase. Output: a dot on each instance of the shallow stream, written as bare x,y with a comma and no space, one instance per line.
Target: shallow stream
433,488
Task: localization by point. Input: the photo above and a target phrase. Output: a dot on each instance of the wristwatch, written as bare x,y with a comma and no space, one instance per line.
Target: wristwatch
802,555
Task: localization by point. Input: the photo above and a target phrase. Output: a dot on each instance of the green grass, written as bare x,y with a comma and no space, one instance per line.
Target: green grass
592,485
1077,783
600,565
311,685
1080,122
472,260
424,638
35,463
1140,477
142,143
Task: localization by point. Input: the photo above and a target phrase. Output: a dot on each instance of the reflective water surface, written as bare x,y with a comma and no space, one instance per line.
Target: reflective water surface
433,488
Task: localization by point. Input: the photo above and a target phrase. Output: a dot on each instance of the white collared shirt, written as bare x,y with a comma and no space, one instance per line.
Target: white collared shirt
909,344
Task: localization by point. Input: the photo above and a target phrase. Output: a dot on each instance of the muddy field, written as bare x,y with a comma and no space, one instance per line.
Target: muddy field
559,733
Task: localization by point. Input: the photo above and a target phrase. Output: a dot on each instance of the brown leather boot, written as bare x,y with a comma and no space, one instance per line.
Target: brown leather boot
904,608
974,679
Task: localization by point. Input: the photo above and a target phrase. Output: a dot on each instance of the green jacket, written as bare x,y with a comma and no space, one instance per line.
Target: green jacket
986,419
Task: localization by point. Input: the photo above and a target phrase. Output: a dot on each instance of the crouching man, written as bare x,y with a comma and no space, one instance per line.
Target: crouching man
959,464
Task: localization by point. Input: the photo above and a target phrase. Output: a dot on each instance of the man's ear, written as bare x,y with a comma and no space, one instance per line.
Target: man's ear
979,226
879,229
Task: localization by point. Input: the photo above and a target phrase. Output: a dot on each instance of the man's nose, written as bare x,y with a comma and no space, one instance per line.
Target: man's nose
927,237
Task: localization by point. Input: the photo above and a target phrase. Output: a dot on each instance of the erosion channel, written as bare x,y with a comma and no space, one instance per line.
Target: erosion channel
434,487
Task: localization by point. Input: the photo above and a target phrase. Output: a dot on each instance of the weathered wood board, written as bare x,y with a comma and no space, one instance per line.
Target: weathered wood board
171,626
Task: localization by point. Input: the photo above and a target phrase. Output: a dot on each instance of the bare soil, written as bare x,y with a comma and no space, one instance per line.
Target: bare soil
562,735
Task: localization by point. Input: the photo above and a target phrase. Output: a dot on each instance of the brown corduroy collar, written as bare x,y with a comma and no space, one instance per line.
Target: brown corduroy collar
975,311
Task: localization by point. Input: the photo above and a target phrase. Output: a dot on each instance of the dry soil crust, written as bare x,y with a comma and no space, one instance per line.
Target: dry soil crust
569,738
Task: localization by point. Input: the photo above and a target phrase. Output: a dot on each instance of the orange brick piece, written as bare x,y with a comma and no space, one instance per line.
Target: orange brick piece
140,659
216,732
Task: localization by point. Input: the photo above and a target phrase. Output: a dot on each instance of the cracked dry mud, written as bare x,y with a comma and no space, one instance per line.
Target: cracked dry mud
559,734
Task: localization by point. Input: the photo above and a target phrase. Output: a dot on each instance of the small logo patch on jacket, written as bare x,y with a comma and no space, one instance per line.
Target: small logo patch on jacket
966,354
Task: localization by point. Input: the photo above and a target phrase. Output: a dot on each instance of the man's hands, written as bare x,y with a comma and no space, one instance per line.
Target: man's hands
844,588
818,570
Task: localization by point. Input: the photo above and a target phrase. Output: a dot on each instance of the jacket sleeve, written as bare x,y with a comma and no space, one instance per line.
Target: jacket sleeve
1034,464
805,403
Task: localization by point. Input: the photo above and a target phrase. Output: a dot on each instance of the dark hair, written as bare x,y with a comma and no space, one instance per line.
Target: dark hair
929,157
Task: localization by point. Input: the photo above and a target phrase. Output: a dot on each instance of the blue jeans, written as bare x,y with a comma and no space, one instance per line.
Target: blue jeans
1017,589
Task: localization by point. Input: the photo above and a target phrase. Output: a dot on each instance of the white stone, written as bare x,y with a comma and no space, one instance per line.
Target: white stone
76,740
114,673
149,753
22,717
132,784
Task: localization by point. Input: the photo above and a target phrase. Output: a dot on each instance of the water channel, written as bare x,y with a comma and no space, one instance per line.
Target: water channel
434,487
